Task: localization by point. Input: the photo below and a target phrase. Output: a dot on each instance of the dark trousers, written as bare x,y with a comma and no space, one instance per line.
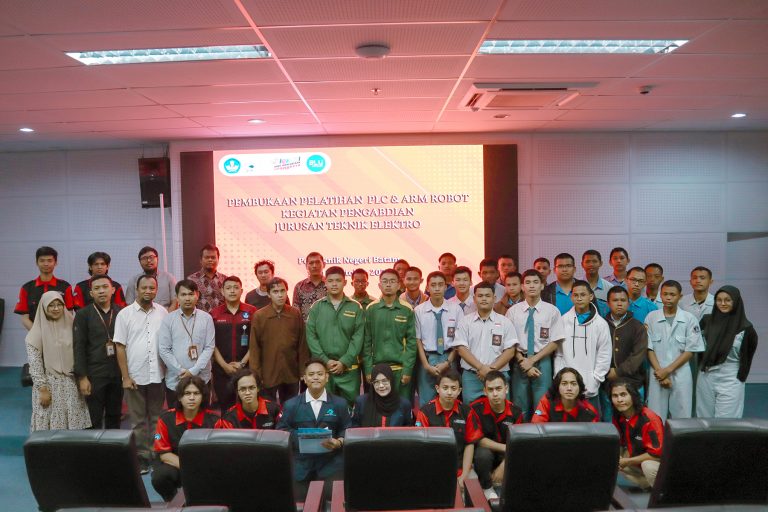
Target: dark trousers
485,462
170,398
105,403
222,385
166,480
286,392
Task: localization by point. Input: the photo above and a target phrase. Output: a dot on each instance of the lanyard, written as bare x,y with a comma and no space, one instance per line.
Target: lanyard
184,325
105,324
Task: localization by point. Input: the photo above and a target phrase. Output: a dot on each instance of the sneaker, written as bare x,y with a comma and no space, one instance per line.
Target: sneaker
145,468
490,494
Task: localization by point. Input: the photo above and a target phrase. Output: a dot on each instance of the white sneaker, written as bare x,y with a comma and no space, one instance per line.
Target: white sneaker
490,493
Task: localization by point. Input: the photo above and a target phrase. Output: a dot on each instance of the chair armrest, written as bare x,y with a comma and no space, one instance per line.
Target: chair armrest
178,500
337,496
476,495
621,500
314,499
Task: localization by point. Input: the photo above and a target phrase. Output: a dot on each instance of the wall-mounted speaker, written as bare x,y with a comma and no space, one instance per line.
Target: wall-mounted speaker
155,179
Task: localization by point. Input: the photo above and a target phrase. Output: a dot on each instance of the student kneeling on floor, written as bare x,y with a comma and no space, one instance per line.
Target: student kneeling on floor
316,409
192,396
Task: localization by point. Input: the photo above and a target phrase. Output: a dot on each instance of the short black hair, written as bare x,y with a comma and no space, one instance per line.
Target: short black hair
564,256
147,249
398,262
275,281
210,247
99,255
617,289
239,374
188,284
99,277
314,360
463,270
360,271
636,269
672,283
592,252
436,274
541,259
449,373
413,269
514,274
447,255
335,270
145,276
531,272
268,263
585,284
618,249
234,279
314,254
655,265
482,285
493,375
389,271
489,262
46,251
702,269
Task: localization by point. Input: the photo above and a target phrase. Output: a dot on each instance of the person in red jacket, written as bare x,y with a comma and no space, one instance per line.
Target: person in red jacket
565,400
251,411
192,397
641,431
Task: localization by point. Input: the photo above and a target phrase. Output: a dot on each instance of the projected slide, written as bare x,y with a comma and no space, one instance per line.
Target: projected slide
359,207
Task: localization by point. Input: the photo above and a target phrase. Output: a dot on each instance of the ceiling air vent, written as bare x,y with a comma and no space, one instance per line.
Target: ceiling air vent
521,96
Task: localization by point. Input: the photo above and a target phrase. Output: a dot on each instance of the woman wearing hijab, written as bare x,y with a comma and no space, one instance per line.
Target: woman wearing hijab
56,401
724,366
382,406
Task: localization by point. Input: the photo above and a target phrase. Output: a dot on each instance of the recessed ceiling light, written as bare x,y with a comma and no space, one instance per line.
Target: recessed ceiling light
256,121
513,46
26,130
91,58
738,115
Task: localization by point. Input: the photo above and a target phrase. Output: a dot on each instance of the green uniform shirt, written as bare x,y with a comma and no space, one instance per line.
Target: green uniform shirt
336,333
390,336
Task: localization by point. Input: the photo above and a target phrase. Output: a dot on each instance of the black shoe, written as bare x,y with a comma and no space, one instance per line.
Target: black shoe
145,468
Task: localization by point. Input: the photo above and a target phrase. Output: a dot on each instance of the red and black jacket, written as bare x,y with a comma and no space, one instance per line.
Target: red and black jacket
495,427
642,433
265,418
32,291
229,329
465,429
172,424
81,294
552,411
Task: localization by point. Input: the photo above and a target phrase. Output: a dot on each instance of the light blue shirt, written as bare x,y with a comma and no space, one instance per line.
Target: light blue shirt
669,340
641,307
562,300
177,333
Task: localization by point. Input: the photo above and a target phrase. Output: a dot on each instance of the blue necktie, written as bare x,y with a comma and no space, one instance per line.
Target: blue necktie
529,327
439,331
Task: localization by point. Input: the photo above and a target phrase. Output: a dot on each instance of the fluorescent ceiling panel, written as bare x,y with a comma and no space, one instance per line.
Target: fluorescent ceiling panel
99,57
515,46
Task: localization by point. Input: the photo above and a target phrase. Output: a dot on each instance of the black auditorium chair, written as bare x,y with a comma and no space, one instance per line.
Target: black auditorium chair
243,469
556,467
398,469
84,468
712,461
707,508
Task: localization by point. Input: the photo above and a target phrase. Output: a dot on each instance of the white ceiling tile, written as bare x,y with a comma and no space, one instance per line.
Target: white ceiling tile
74,99
387,89
591,29
77,16
557,67
352,69
113,125
403,40
603,125
151,39
264,130
707,66
253,109
399,127
86,114
501,125
486,116
26,53
381,116
217,93
647,102
329,12
78,78
688,87
637,115
732,37
613,10
376,105
242,121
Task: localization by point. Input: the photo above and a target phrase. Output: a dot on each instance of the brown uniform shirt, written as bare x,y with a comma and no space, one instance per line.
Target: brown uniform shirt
278,345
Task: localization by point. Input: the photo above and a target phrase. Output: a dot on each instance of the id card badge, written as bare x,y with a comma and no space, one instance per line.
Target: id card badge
496,335
192,352
451,329
110,346
244,337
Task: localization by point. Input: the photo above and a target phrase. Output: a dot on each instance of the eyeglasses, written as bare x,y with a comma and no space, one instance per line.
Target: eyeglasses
381,382
564,267
389,281
149,257
636,281
243,389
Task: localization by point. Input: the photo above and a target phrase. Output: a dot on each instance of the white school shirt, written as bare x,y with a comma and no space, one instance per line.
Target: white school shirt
137,330
669,341
689,304
486,339
426,323
546,323
470,306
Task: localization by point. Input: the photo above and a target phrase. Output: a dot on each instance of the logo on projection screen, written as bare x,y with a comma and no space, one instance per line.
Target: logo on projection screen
274,164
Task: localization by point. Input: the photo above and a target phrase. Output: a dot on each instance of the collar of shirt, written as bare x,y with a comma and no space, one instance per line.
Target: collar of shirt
327,299
663,317
197,420
286,311
52,282
475,316
560,290
499,416
535,306
434,308
573,413
323,398
439,407
137,307
261,409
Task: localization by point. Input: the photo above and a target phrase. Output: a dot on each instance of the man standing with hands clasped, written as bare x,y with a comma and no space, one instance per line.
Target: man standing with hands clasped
186,340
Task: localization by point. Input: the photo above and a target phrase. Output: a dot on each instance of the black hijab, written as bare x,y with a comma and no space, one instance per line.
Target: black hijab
720,329
380,405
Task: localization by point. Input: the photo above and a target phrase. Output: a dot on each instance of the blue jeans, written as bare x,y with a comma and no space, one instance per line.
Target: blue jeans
426,382
526,392
472,387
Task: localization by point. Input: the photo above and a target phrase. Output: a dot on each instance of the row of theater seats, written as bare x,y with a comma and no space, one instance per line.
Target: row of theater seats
550,467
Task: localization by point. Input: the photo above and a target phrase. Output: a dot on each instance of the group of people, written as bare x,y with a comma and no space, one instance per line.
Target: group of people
512,348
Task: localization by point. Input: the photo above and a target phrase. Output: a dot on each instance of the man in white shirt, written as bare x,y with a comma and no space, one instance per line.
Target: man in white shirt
540,330
186,340
462,283
436,323
489,273
700,302
485,341
136,328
